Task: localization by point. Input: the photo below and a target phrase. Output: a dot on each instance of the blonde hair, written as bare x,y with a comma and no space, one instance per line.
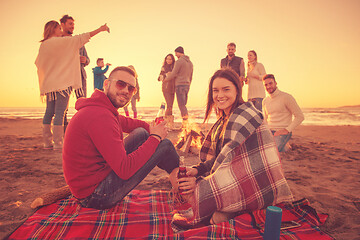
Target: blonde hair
49,29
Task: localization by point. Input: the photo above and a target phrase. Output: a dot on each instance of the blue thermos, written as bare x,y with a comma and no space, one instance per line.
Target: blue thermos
272,223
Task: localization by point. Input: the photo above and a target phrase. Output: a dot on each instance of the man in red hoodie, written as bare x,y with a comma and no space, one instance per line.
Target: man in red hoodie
100,166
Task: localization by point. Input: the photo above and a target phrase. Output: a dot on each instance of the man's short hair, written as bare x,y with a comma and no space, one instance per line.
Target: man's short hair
179,50
125,69
231,45
65,18
268,76
98,60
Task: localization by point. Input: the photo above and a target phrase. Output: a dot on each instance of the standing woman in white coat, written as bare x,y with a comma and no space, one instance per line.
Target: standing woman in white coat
59,74
255,72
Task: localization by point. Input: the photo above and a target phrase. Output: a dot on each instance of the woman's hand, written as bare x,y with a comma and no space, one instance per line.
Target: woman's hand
105,28
187,185
191,172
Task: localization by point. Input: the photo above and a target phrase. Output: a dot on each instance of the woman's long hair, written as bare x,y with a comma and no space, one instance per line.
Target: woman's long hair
169,66
252,51
49,29
233,77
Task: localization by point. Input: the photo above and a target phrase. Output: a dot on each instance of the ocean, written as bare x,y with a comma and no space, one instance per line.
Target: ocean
313,116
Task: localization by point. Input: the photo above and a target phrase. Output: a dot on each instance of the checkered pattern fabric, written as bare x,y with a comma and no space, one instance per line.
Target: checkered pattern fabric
147,215
246,175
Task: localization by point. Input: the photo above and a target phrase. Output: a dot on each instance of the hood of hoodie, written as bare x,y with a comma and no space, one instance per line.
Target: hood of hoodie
186,58
97,99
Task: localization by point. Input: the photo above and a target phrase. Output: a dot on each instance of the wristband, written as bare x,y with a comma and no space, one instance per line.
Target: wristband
153,134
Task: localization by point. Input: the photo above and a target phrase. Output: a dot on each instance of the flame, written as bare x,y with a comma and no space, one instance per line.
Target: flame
196,141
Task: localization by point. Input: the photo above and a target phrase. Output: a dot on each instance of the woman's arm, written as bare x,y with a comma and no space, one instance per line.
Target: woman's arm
100,29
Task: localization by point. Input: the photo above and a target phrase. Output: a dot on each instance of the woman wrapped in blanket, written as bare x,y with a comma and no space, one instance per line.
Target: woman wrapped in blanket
240,169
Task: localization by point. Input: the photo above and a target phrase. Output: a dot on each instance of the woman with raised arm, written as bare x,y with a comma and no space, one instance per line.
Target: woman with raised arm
58,68
240,168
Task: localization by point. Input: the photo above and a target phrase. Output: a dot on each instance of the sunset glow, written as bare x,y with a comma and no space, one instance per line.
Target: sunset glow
312,47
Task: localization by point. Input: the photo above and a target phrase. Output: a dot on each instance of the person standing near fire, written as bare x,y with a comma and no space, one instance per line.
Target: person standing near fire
168,88
182,75
239,146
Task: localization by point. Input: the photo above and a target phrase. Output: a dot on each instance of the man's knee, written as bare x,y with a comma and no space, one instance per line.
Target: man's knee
140,132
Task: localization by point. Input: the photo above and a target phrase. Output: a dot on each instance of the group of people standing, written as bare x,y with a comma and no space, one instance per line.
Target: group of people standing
280,110
239,167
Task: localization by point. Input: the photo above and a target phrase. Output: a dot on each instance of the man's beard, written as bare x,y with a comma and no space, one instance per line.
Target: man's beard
116,104
69,32
272,90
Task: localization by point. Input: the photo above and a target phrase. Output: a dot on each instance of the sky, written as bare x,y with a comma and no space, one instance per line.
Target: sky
311,46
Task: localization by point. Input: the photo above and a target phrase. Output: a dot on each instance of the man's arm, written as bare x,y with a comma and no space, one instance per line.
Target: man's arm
106,136
294,108
99,71
242,68
174,72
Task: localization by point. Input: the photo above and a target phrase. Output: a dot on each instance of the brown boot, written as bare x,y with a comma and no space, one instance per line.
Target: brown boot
169,122
58,136
47,136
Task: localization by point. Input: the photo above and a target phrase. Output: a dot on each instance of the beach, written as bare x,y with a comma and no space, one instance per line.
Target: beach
322,166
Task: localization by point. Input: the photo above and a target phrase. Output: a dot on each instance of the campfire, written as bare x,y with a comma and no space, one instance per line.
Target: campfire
190,139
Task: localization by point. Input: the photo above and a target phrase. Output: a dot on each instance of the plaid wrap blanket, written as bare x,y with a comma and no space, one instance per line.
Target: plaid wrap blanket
147,215
246,175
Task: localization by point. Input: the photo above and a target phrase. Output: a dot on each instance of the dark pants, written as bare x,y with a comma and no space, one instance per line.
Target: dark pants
113,189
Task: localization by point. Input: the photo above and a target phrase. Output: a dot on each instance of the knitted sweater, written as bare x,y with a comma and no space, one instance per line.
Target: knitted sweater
256,86
278,110
58,63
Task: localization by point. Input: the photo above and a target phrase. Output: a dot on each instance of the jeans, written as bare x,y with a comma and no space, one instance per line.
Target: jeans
257,103
169,99
113,189
56,107
182,97
281,140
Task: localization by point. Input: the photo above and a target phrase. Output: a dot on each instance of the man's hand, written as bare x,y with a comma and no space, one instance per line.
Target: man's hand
82,59
281,132
159,129
108,64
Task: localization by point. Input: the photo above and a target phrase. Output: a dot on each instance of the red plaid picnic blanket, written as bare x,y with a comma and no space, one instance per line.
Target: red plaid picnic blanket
147,215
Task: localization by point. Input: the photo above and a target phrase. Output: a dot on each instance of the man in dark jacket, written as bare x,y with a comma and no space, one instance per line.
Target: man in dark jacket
236,63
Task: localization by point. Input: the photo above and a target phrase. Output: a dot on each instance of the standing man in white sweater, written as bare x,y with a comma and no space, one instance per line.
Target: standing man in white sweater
278,109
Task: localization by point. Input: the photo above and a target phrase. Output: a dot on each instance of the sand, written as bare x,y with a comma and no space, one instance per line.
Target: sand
323,166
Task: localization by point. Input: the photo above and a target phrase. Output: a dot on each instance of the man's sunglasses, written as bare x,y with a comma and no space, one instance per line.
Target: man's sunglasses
120,84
